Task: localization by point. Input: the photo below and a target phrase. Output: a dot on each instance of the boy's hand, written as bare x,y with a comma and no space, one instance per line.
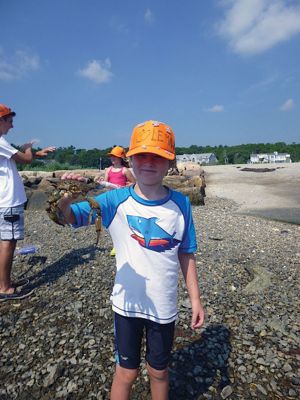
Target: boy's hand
44,152
197,316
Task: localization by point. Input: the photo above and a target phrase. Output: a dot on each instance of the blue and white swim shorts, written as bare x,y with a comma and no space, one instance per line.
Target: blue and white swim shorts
12,223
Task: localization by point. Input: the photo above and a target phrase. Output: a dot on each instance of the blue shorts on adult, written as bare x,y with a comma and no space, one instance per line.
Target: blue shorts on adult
12,223
129,332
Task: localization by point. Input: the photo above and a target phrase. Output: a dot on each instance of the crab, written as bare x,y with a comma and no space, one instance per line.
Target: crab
75,189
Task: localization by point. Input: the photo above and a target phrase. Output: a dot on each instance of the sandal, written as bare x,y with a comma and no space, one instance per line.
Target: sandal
15,296
20,283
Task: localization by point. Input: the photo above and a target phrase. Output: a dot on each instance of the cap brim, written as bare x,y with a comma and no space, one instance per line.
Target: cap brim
111,154
12,113
150,149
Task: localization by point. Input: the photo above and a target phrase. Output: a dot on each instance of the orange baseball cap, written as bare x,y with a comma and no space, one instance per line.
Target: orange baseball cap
4,110
152,137
117,151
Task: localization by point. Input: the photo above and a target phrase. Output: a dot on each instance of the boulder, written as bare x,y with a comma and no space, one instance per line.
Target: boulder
46,185
190,169
32,181
194,194
178,181
37,200
193,187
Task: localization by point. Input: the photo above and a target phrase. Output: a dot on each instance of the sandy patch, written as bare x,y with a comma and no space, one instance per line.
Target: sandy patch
260,193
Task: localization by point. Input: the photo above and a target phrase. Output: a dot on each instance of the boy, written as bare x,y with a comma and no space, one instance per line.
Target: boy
153,232
12,199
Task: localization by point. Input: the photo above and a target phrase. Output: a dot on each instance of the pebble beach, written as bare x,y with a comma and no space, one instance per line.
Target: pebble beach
58,342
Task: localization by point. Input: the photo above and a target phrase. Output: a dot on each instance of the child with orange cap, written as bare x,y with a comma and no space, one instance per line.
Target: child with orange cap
12,199
153,232
118,174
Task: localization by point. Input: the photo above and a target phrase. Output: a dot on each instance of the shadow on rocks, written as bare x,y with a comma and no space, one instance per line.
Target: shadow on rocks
59,268
194,368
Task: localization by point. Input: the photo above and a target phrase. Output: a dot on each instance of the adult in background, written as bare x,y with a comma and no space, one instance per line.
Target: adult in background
12,199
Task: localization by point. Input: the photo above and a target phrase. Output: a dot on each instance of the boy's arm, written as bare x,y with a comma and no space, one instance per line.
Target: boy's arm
188,267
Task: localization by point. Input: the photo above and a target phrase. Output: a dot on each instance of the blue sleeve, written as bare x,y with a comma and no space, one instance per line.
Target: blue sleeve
108,202
189,240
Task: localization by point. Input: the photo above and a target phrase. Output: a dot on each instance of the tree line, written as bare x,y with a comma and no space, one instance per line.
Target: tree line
72,158
240,154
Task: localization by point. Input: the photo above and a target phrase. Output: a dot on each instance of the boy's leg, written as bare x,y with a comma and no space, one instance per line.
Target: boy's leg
122,383
159,383
128,338
159,345
7,248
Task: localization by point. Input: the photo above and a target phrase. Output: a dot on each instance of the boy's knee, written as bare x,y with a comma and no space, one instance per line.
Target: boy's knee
158,375
125,375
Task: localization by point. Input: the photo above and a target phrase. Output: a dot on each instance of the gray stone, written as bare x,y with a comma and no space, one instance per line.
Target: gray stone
226,392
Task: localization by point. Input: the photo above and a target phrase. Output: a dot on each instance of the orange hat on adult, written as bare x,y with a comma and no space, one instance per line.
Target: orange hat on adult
117,151
152,137
4,110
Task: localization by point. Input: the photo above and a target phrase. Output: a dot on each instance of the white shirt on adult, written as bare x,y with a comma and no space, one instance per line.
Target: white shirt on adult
12,192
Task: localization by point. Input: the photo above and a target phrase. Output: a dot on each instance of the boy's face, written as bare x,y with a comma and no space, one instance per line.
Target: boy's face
149,168
6,123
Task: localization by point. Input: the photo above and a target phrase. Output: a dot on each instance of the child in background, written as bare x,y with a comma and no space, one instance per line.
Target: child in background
12,199
119,173
153,231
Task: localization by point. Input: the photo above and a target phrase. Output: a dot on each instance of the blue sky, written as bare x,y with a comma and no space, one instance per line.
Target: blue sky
84,72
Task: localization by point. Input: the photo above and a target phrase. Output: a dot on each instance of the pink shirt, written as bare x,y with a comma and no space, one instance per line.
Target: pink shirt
118,178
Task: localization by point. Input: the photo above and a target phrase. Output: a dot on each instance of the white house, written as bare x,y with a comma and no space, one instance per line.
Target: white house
270,158
204,158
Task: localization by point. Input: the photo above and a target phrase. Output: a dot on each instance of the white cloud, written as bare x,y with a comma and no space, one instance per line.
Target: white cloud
149,17
254,26
288,105
97,71
264,83
18,65
117,25
215,109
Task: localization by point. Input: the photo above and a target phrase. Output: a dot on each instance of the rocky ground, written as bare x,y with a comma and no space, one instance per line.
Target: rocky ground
58,343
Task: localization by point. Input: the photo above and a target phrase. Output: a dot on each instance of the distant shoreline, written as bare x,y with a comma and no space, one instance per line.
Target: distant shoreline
273,195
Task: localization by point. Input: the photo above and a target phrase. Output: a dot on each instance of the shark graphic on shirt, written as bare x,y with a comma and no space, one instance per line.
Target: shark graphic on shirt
150,235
